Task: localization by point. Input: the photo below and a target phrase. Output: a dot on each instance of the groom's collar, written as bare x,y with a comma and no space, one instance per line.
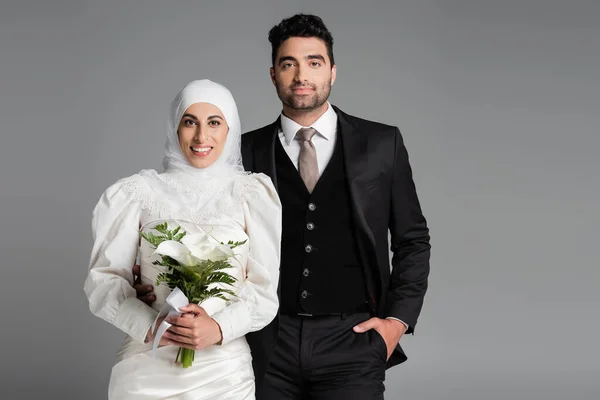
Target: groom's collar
326,125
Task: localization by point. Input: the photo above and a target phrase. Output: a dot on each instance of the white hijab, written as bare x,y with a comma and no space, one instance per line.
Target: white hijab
229,162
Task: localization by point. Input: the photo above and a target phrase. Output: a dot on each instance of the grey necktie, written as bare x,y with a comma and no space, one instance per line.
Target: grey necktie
307,162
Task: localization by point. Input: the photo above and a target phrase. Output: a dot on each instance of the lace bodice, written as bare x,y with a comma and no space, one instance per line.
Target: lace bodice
241,207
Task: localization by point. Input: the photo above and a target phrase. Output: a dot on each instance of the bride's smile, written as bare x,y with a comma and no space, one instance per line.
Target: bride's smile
201,151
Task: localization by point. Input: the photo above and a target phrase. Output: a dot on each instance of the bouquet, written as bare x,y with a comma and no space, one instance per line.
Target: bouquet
194,264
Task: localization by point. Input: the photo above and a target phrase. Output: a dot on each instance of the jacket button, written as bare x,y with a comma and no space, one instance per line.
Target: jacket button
306,272
308,248
312,206
304,294
310,226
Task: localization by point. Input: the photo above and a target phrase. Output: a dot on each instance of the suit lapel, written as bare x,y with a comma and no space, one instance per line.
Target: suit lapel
355,144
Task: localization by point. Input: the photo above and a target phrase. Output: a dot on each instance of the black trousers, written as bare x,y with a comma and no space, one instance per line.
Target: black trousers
322,358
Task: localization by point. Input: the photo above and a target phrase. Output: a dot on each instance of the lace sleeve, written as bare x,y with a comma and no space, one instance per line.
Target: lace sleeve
115,224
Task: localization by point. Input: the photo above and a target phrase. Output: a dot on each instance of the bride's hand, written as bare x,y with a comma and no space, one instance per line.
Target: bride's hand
195,329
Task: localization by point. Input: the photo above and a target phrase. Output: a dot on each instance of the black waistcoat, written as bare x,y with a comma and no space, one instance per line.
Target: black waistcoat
320,269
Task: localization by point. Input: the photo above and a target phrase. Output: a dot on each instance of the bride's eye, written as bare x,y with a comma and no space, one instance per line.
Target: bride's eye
214,122
189,122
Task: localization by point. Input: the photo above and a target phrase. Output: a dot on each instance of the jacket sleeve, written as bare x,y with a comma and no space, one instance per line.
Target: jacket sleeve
409,243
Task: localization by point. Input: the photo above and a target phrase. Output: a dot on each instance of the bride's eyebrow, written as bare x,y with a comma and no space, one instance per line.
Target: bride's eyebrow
190,116
215,116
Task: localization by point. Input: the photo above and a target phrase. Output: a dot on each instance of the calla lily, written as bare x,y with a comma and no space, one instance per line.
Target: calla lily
177,251
193,249
200,246
195,239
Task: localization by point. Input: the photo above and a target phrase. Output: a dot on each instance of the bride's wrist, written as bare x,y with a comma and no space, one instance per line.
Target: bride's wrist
220,333
148,337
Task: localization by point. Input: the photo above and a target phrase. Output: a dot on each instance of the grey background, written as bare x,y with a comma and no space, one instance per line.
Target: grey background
499,105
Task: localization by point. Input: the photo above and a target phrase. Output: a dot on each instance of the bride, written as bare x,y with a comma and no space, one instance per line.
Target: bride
203,189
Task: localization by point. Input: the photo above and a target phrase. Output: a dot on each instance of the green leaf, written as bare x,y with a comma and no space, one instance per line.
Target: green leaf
162,228
179,236
233,245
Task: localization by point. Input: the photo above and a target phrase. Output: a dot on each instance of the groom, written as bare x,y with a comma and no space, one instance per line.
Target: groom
344,183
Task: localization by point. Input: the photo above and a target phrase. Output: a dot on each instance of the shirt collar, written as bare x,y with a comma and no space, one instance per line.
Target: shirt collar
326,125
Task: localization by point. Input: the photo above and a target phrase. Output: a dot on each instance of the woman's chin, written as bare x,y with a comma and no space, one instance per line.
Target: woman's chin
203,160
201,164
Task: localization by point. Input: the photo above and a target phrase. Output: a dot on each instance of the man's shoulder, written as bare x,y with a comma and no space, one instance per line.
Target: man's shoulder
365,124
252,135
256,139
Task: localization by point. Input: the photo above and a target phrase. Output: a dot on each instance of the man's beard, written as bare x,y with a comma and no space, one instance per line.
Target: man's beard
305,103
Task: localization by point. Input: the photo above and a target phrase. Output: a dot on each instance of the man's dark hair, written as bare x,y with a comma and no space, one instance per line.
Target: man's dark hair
300,25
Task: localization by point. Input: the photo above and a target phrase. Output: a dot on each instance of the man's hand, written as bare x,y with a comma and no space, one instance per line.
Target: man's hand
143,292
390,330
193,330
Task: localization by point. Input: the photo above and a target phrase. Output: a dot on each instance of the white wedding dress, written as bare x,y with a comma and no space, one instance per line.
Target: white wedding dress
243,207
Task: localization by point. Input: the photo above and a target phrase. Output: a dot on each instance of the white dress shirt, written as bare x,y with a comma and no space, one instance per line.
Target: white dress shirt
324,142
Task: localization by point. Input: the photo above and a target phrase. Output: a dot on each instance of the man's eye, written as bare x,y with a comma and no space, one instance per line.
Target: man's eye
316,64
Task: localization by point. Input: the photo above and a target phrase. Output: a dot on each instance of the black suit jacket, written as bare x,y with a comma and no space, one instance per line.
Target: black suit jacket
384,200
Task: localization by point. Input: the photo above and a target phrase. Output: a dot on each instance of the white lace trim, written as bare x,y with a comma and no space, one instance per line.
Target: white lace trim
214,198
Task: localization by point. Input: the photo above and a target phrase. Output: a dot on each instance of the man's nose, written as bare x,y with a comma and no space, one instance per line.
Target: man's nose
300,74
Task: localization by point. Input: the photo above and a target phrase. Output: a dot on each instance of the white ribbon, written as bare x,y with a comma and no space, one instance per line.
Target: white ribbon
174,301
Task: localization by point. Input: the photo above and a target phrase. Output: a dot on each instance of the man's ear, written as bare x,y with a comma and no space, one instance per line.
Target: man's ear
333,74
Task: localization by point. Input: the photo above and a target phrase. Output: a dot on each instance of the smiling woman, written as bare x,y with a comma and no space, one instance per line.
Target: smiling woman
205,191
202,134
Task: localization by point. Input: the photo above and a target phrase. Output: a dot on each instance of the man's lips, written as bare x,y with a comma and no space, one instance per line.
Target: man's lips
302,90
